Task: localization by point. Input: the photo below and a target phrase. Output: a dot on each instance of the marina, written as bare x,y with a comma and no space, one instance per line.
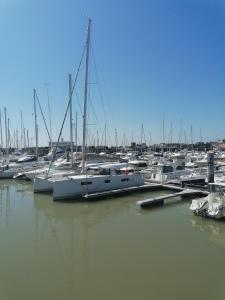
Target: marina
106,241
112,150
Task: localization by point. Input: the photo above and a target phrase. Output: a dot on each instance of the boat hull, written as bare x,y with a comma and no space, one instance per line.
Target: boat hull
42,185
79,186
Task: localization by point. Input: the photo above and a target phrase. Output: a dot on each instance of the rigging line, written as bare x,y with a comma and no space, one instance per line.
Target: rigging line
109,137
99,87
68,105
43,117
96,73
78,102
95,115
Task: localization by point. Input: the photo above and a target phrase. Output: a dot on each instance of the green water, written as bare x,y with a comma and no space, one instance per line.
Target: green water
106,250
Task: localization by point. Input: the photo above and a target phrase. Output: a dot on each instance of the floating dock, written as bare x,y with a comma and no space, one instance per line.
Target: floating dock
145,188
111,193
160,200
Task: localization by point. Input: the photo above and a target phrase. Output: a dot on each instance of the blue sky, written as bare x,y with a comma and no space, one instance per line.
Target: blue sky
153,58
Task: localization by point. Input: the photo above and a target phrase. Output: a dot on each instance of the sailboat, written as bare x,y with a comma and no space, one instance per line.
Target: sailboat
107,177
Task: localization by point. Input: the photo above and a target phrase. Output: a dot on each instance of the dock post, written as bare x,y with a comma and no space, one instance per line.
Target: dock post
210,171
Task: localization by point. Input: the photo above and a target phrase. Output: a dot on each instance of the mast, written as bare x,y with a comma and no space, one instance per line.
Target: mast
105,136
6,138
49,114
85,97
76,131
17,141
9,136
150,138
142,129
71,117
28,142
116,140
35,123
14,139
21,130
1,128
192,145
24,138
97,140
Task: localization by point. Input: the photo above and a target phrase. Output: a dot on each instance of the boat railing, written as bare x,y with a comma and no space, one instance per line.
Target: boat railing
189,173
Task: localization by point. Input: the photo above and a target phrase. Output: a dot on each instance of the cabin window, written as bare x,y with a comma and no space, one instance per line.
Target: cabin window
167,169
125,179
105,172
107,181
86,182
141,165
179,168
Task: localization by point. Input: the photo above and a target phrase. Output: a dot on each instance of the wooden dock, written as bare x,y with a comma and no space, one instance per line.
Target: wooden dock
160,200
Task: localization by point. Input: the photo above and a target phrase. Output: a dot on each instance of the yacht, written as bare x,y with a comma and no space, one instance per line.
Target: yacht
97,179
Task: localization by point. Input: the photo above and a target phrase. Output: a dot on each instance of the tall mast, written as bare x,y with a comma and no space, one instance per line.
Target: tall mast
105,137
150,138
85,97
49,114
21,130
97,140
6,138
1,128
14,139
192,145
71,117
76,131
9,137
28,142
35,123
116,140
24,138
17,142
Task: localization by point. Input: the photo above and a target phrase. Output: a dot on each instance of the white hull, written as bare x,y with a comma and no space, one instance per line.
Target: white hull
7,174
41,184
80,185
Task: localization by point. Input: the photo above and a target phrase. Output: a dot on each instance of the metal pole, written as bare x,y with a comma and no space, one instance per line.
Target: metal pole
76,132
1,128
85,97
49,113
6,138
28,142
71,117
35,121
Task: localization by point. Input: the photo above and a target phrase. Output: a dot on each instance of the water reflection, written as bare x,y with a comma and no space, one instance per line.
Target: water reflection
22,186
215,229
5,205
72,228
102,249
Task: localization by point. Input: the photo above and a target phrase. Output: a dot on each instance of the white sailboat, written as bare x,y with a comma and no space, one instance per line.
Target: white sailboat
7,171
43,180
108,177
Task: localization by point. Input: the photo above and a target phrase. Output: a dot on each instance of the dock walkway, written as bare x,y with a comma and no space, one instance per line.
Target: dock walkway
160,200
